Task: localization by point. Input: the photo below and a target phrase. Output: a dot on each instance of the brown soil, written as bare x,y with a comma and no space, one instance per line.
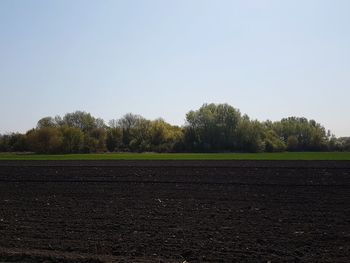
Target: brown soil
173,211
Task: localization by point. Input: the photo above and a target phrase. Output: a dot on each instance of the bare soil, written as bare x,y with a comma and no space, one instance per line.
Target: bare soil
174,211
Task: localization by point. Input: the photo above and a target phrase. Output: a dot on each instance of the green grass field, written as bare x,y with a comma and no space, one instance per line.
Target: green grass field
184,156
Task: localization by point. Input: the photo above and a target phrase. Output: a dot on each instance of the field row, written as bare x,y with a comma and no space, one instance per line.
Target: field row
176,213
183,156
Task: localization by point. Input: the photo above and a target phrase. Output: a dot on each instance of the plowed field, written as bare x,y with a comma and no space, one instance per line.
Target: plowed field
175,211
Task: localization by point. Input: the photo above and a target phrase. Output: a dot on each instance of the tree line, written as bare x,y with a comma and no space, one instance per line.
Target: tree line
211,128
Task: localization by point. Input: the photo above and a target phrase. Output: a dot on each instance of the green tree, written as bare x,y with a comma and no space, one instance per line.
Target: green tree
98,135
45,140
114,139
164,137
14,142
212,127
82,120
250,136
46,122
73,139
301,134
128,123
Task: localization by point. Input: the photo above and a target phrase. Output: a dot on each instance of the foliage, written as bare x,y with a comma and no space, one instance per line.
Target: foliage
211,128
45,140
14,142
301,134
73,139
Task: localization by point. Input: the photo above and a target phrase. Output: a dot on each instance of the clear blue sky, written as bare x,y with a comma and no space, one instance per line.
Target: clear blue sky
270,59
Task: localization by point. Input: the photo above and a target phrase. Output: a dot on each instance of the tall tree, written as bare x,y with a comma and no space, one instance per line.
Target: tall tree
213,127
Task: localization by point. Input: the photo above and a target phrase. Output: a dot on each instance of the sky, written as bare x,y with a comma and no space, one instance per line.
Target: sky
270,59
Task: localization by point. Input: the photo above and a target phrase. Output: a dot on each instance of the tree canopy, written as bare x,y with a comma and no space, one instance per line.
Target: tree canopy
211,128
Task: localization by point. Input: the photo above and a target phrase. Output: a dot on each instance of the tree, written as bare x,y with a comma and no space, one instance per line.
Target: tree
47,122
45,140
14,142
273,143
140,136
212,127
98,135
81,120
114,139
164,137
250,136
301,134
73,139
128,124
342,144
